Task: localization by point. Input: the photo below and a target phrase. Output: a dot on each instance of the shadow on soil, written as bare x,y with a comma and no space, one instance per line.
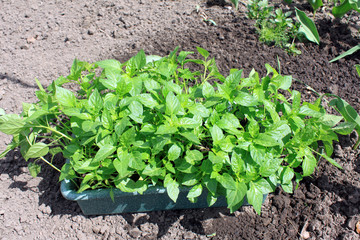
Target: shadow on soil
49,193
4,76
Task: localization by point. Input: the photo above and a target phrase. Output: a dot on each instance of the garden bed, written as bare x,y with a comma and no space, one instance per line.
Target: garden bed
326,204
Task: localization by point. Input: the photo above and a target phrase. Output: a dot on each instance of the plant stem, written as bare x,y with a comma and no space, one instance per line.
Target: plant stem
57,132
50,164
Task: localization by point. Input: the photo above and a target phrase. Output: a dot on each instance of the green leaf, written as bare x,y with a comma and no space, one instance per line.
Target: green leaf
95,101
172,104
236,4
37,150
137,62
347,111
266,140
287,175
65,97
128,137
208,90
190,179
174,152
110,101
271,108
307,27
193,155
112,79
216,134
152,58
233,80
344,7
172,188
159,144
344,128
110,64
255,197
121,166
195,191
330,160
103,153
246,99
152,171
200,110
235,197
330,120
191,137
165,129
264,186
227,181
34,169
296,98
309,163
147,100
188,123
11,124
136,109
229,121
136,161
347,53
357,67
203,52
315,4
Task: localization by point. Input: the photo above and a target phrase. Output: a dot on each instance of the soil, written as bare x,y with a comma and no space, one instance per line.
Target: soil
40,39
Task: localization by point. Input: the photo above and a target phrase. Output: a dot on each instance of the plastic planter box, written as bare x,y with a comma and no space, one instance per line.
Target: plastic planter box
97,202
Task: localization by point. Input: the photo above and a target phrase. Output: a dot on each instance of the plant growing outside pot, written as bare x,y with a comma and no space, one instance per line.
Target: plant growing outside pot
153,121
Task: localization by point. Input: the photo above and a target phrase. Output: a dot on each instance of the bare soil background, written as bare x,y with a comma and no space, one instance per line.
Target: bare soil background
40,39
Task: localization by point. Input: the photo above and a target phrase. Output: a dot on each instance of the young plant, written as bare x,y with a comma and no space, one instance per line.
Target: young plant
276,27
153,121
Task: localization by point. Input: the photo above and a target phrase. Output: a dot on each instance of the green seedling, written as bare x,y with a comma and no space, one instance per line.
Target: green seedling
153,121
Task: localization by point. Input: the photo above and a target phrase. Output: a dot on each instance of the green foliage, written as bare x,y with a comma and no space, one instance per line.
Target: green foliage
307,27
346,6
278,28
259,9
152,121
347,53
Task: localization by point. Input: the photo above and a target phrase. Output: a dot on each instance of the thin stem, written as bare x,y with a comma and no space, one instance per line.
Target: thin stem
50,164
57,132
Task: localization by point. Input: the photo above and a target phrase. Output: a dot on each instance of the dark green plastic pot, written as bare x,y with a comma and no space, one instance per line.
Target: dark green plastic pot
97,202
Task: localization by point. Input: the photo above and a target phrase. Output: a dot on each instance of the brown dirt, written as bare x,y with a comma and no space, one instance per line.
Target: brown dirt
40,39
